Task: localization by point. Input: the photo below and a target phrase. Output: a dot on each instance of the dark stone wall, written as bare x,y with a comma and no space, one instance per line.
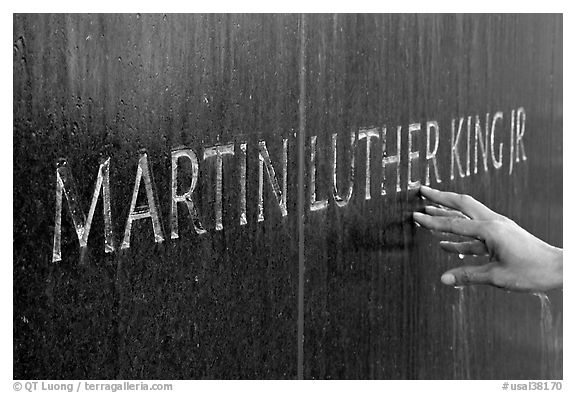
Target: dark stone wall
225,304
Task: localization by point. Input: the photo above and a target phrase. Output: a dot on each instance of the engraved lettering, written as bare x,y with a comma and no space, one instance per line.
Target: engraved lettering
147,211
218,152
342,201
520,129
242,170
280,194
497,163
412,156
431,155
512,139
454,156
483,141
65,183
388,159
314,204
468,131
368,134
185,198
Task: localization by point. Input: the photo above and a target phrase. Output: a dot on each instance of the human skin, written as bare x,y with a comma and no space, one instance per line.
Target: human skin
518,260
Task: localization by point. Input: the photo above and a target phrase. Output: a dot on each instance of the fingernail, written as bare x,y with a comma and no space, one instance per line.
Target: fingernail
417,215
448,279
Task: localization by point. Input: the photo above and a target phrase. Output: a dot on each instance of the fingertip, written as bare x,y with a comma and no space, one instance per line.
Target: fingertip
419,218
428,190
448,279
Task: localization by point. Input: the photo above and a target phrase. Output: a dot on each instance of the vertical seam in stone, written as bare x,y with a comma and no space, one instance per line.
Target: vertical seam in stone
301,154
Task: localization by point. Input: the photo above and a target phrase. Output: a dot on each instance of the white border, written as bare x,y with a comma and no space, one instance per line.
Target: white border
297,6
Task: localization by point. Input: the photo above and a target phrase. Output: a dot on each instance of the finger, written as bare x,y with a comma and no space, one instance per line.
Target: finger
437,211
457,226
465,203
469,275
474,247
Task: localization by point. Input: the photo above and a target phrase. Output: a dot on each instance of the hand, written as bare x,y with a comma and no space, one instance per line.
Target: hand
519,261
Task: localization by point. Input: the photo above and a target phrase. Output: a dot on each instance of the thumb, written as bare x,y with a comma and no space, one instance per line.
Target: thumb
468,275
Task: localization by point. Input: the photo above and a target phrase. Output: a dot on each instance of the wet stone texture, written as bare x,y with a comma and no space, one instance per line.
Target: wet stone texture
219,297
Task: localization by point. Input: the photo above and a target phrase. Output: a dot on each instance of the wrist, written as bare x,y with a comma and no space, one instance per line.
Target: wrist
557,268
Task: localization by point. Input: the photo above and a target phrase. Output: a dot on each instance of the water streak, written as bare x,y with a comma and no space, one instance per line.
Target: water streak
461,347
546,335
